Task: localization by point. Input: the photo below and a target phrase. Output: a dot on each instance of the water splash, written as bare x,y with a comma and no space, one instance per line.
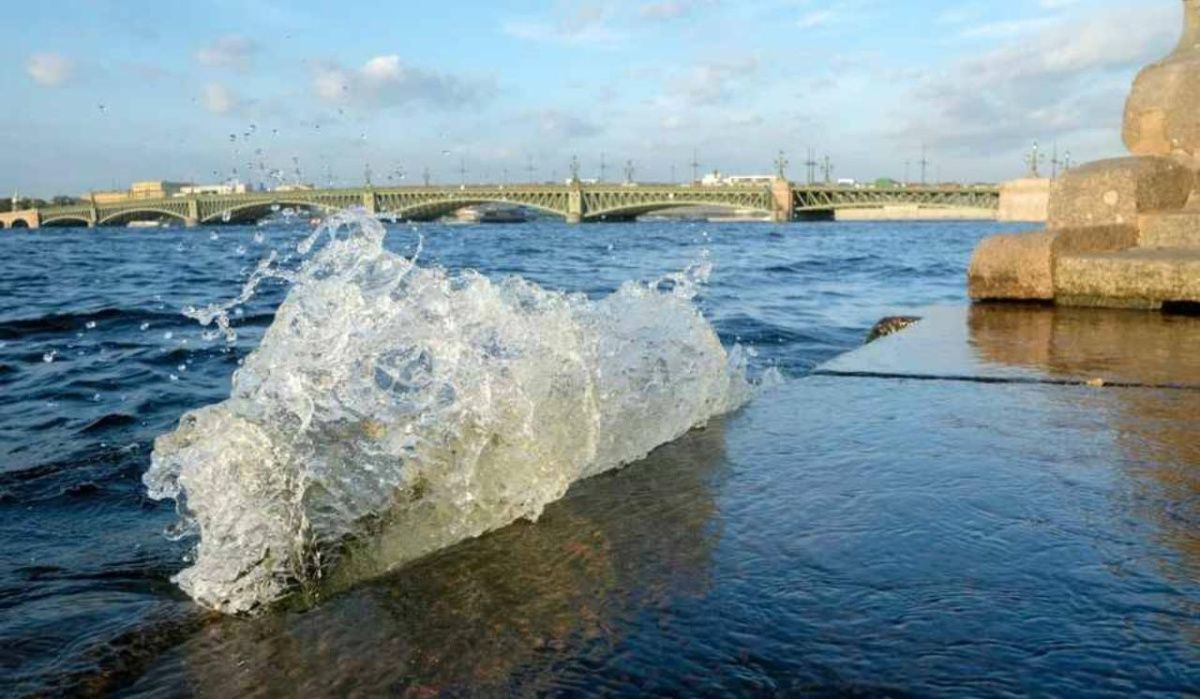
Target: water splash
393,409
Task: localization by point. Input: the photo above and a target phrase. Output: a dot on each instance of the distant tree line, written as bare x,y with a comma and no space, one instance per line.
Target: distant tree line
6,203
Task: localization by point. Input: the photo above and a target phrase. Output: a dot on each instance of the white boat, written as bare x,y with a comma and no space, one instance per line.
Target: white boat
144,224
491,214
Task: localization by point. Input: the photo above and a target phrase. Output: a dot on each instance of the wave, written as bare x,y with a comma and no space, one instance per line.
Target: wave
393,409
56,323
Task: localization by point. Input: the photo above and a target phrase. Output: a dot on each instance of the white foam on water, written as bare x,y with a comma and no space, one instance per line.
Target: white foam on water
399,409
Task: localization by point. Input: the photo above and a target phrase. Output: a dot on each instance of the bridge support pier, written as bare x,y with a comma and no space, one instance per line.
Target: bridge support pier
782,207
575,204
193,213
370,203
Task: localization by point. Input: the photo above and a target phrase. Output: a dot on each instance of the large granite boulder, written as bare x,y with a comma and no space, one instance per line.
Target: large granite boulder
1162,114
1017,267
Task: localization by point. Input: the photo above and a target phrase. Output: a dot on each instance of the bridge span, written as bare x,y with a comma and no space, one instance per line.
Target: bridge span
576,203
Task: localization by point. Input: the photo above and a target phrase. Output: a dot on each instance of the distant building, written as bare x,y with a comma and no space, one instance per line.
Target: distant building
750,179
110,197
156,189
716,179
218,189
293,188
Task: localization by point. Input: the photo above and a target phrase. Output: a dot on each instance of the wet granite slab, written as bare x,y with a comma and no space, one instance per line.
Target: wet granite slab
840,536
1035,344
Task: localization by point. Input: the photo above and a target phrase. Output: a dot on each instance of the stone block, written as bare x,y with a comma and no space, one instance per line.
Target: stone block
1139,278
1016,267
1024,200
1115,192
1176,229
1069,241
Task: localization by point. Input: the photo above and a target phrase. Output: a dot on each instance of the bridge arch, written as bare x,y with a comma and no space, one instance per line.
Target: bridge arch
643,208
139,214
437,208
67,222
254,211
18,223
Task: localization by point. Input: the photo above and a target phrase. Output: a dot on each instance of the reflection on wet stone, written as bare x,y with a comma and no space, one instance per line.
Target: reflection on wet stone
504,610
1155,428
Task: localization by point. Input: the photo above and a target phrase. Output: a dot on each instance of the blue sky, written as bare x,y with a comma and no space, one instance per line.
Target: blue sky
104,92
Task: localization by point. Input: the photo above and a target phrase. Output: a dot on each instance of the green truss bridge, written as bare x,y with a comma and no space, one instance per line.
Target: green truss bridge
576,203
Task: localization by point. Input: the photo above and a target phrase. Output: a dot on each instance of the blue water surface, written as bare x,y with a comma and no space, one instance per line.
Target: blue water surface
822,542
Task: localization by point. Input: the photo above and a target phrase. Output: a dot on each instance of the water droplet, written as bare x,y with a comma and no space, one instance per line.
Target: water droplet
275,207
48,357
174,377
91,325
182,368
259,238
240,250
144,327
96,398
168,335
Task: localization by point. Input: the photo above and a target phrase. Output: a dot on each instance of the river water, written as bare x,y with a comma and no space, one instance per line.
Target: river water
791,547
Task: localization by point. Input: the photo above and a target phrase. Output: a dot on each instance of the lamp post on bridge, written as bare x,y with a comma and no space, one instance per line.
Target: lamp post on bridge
1056,162
812,164
1034,160
574,169
827,169
629,172
426,176
781,163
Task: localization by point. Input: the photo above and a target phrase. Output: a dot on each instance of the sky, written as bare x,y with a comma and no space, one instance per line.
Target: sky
101,93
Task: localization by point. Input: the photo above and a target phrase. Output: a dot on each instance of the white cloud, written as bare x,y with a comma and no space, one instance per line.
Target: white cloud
1008,28
715,82
50,69
584,25
218,99
560,125
816,18
230,51
386,81
666,9
1069,77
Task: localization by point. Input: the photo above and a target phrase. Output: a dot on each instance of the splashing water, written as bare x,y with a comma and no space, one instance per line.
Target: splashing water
392,410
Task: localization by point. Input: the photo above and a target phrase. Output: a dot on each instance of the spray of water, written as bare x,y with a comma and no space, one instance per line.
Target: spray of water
393,409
